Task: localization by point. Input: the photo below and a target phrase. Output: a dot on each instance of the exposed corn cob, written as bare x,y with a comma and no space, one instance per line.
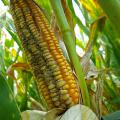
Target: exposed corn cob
53,74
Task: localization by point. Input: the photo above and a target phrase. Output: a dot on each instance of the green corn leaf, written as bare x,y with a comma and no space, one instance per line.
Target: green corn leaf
8,106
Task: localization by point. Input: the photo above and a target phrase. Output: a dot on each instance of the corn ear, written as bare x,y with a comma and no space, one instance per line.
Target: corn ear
53,74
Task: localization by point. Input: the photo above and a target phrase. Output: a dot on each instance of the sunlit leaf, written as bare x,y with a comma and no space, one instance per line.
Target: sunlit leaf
92,7
9,43
14,52
6,2
77,20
